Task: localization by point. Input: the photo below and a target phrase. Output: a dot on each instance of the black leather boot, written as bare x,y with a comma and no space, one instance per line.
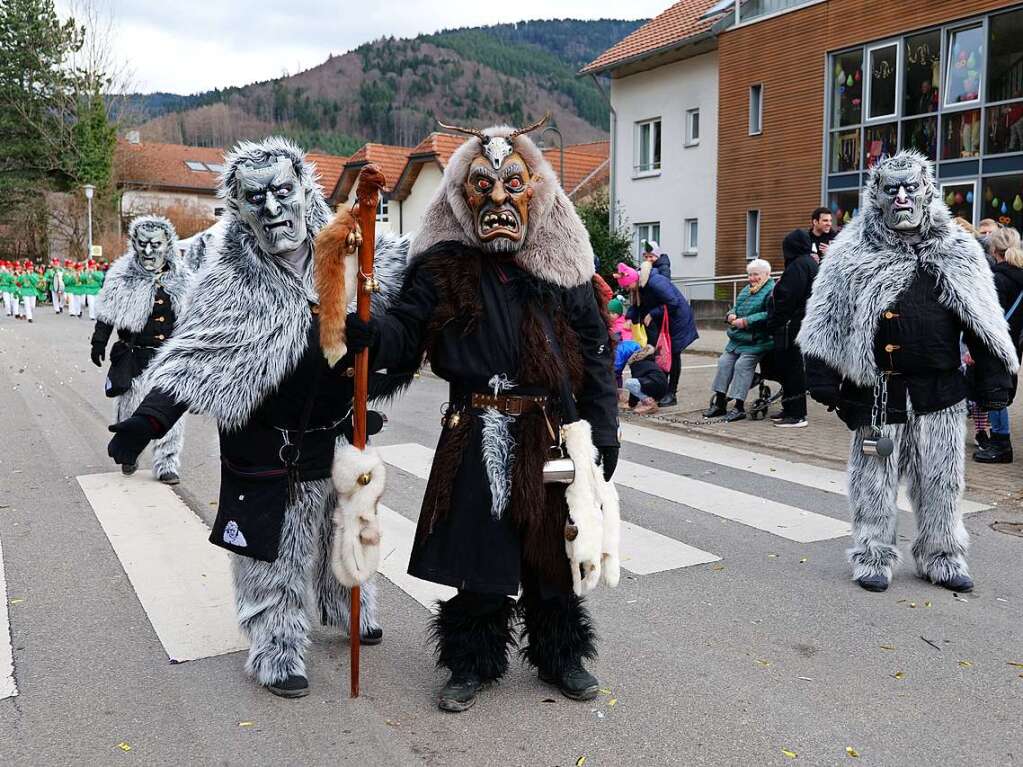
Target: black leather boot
717,406
574,682
999,450
295,686
473,634
560,636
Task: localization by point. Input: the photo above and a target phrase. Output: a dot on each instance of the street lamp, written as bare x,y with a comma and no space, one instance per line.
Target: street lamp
89,191
561,148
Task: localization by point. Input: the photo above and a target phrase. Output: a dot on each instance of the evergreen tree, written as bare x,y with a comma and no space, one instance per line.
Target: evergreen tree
610,246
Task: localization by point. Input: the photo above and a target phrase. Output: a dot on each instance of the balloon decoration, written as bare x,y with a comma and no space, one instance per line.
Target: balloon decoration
858,76
849,81
994,202
847,218
969,197
959,198
1004,208
988,194
1017,204
950,199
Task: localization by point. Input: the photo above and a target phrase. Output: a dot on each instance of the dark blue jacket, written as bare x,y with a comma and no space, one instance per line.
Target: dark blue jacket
655,294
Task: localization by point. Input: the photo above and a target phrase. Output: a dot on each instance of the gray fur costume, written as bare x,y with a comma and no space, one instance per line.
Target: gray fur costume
246,331
126,303
868,268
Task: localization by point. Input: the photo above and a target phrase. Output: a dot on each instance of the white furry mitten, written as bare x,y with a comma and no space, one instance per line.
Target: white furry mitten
359,477
584,536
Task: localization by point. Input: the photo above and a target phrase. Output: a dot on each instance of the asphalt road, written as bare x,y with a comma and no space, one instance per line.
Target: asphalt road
769,656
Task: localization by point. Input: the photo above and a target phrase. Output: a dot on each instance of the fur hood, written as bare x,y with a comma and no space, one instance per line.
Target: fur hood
557,246
869,266
126,299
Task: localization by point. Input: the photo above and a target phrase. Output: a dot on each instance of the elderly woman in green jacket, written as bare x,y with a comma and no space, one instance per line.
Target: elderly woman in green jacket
748,341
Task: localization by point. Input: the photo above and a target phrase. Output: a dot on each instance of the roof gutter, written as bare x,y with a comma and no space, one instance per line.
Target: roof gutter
674,46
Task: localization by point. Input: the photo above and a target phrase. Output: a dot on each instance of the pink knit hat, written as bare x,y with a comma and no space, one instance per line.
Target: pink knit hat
626,275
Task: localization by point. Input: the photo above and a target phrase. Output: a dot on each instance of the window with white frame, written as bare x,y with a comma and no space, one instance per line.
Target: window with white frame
648,147
752,234
690,236
382,209
692,127
756,109
645,233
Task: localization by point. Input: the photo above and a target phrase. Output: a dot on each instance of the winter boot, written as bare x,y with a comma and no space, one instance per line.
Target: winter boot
127,469
999,450
623,399
169,478
473,634
295,686
717,406
668,400
737,413
646,406
982,439
873,582
560,635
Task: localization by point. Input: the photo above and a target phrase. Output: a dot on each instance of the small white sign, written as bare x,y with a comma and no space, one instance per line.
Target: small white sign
96,251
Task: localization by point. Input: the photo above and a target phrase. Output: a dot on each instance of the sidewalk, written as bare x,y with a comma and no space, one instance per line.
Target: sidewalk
825,440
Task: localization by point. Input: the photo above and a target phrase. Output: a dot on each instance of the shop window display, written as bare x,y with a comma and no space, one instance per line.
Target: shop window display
1003,200
883,69
879,141
1005,63
960,134
844,206
845,151
847,90
922,135
1005,129
965,65
921,60
960,199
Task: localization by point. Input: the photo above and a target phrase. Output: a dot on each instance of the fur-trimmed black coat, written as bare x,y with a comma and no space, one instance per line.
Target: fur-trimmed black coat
474,316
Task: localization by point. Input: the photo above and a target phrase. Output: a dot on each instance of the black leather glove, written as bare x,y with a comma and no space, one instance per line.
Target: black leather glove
130,438
608,460
360,335
97,355
828,396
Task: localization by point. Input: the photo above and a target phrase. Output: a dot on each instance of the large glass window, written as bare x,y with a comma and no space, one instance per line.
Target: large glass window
1004,128
845,151
965,65
1005,56
844,206
960,199
879,142
648,146
960,134
1003,200
921,60
646,233
847,90
921,135
883,68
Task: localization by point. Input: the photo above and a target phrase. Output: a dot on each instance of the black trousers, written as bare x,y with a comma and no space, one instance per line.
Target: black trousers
789,365
674,374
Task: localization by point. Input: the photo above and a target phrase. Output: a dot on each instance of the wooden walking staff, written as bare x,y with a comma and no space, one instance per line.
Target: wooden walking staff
367,196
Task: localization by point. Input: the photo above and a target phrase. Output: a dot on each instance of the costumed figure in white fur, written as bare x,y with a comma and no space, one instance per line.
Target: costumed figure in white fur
499,298
901,284
248,354
143,298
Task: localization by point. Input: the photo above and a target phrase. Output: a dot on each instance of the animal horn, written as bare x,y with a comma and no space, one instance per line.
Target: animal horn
538,124
467,131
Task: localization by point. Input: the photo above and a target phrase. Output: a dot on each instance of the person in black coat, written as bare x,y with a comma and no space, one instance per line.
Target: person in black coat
785,318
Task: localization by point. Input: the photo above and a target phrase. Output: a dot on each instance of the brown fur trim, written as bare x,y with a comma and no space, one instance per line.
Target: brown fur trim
456,273
330,253
446,461
569,341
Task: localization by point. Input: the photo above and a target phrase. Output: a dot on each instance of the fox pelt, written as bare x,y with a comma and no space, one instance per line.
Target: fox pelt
335,269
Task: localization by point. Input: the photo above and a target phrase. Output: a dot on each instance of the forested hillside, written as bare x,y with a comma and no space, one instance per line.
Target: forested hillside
392,90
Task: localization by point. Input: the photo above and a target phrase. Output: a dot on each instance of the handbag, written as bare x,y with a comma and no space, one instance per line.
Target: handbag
639,333
124,368
663,347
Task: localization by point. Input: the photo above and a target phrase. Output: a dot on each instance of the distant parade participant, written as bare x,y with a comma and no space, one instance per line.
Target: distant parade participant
144,295
248,354
499,298
92,283
28,287
901,285
73,286
7,288
42,286
55,279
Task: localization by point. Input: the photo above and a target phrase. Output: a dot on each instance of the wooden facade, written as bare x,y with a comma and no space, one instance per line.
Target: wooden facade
779,172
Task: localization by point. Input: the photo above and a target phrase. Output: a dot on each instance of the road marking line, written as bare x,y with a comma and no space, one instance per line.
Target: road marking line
397,533
642,551
8,687
805,474
183,583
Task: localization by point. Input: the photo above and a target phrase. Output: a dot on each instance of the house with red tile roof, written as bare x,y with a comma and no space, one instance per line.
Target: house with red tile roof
391,160
663,158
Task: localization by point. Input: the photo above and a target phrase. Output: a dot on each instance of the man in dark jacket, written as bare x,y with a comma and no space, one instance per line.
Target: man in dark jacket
821,232
785,318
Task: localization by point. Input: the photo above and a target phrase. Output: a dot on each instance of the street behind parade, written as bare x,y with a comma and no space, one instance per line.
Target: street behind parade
735,637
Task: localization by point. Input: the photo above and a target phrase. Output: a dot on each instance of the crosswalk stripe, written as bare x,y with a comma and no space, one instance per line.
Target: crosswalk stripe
8,687
805,474
642,551
397,533
183,583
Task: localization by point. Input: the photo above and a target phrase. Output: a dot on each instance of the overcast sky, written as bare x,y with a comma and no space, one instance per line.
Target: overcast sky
186,46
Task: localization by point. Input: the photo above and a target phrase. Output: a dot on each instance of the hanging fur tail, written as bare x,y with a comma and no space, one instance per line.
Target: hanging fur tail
591,542
335,268
359,477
